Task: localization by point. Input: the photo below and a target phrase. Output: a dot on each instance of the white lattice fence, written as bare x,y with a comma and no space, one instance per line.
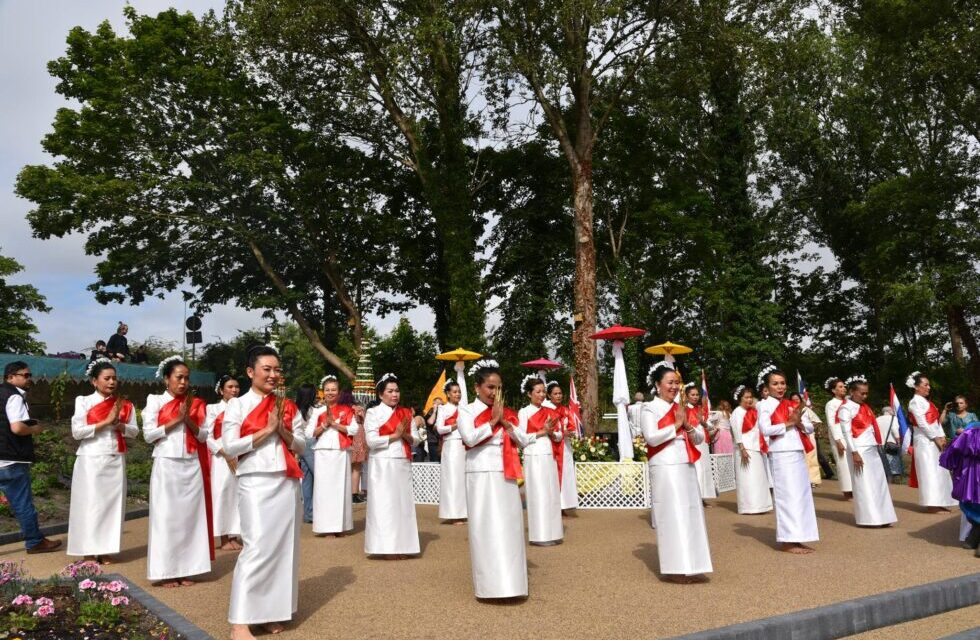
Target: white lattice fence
425,482
601,485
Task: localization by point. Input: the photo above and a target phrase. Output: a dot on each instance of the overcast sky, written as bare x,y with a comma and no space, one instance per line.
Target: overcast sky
32,32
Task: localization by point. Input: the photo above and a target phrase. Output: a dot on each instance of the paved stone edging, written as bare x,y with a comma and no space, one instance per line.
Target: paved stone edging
56,529
177,622
847,618
969,634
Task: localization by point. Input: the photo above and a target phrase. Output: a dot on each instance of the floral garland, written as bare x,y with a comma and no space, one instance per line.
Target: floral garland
739,390
832,380
487,363
220,385
910,381
856,379
663,364
327,378
91,365
165,362
526,379
764,373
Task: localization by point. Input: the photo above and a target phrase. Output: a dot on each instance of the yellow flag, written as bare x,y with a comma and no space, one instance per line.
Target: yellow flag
436,392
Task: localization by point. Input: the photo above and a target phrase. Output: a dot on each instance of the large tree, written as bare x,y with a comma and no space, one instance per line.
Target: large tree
182,169
394,78
17,302
574,60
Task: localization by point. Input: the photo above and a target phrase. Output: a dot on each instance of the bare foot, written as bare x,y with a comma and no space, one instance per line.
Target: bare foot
456,523
848,495
679,579
184,582
795,548
169,584
340,534
274,627
707,505
937,510
231,545
104,560
241,632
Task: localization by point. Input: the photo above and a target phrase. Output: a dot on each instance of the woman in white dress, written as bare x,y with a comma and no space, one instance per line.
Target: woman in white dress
391,528
263,429
101,423
928,440
838,445
180,543
333,426
541,484
695,416
872,500
493,500
452,462
751,477
569,483
224,484
682,537
781,422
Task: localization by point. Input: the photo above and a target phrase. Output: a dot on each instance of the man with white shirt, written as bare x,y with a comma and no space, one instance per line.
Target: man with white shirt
17,432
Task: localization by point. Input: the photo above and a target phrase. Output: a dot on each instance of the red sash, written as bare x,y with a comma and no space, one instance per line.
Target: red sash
512,461
101,411
932,415
451,420
781,415
748,424
535,424
216,430
258,418
860,423
565,419
195,414
388,428
343,414
667,422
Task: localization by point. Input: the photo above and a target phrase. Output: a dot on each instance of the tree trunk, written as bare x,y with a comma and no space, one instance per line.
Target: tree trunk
955,341
957,316
584,290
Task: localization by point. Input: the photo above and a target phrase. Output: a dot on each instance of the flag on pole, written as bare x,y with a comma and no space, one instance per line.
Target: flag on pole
436,392
705,400
574,408
801,388
904,433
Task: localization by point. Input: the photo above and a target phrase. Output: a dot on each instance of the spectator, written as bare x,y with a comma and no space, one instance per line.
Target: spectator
956,416
17,431
891,442
432,435
99,351
118,346
359,452
141,356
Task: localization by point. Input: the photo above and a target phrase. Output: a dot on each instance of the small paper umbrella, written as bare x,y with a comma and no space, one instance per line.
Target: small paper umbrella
617,332
459,355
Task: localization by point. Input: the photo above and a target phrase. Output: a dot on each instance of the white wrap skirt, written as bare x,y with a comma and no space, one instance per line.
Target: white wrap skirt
752,483
706,480
265,585
452,483
543,499
682,535
935,483
98,505
224,498
843,470
332,509
390,526
872,499
496,533
796,519
569,488
178,544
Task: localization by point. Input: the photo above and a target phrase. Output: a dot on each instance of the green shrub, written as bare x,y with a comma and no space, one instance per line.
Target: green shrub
98,612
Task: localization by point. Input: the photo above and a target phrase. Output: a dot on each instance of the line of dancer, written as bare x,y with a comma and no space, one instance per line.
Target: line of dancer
230,470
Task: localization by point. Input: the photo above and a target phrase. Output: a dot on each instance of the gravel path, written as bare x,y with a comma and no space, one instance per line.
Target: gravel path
602,582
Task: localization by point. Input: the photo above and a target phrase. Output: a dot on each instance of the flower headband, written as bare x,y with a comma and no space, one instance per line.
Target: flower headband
829,381
663,364
764,373
910,381
447,384
853,379
690,385
529,378
327,377
91,365
221,383
487,363
165,362
739,390
388,377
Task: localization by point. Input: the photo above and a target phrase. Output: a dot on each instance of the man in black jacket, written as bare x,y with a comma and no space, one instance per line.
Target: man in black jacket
17,431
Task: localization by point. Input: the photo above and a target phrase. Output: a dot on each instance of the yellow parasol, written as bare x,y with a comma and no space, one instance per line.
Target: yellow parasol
668,349
459,355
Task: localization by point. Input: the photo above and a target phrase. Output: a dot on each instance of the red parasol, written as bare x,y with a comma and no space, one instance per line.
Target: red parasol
541,363
617,332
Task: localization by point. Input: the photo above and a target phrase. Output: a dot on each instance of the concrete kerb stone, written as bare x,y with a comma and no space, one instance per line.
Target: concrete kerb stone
177,622
56,529
969,634
857,616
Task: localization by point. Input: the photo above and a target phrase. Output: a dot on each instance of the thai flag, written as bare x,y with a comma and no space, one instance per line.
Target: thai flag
905,434
574,408
705,400
801,387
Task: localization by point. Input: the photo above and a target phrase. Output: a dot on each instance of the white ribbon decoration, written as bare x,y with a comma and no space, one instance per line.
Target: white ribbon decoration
621,398
461,380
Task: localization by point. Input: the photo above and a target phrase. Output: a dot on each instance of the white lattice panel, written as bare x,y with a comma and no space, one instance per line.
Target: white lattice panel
426,477
723,470
613,485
